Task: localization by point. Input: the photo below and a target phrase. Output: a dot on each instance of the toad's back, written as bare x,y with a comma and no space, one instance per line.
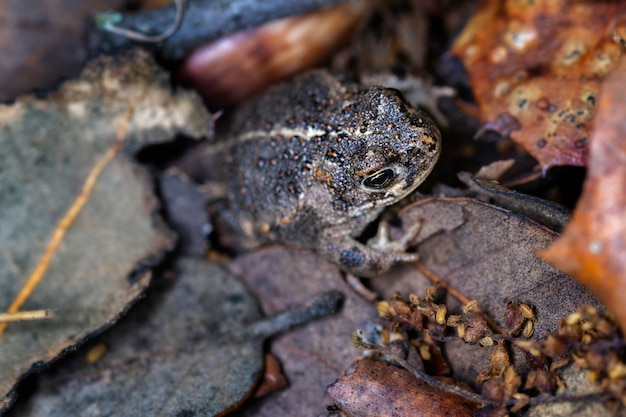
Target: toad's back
318,153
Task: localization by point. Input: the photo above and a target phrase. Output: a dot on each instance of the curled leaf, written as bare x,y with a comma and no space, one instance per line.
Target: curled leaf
378,389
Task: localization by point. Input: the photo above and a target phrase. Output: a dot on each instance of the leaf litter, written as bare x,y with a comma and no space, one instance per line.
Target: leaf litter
195,347
502,267
593,245
79,219
475,251
311,356
536,69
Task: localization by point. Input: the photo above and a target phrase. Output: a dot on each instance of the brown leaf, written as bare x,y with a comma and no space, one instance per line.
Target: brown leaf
44,43
536,70
79,228
486,254
233,68
190,349
274,380
577,383
377,389
311,356
593,246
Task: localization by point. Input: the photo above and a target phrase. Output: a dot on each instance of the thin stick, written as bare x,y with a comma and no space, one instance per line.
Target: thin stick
64,224
458,295
26,316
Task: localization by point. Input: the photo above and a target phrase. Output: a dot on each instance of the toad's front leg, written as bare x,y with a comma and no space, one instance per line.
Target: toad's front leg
375,258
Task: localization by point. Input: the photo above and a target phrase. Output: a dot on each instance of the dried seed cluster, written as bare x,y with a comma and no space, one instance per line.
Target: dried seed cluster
592,341
585,338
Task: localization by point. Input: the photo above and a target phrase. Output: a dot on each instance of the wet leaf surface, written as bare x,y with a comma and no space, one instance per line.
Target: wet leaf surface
487,254
194,349
593,247
79,222
379,389
536,69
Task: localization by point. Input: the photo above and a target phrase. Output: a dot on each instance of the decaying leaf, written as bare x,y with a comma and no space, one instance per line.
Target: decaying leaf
44,43
593,247
311,356
79,223
536,69
377,389
486,254
194,349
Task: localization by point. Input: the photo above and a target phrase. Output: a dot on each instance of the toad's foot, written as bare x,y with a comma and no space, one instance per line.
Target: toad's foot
375,258
383,243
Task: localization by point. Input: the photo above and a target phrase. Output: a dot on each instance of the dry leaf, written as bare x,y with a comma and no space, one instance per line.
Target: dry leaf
486,254
60,153
233,68
593,246
377,389
195,348
274,380
577,383
311,356
44,43
536,69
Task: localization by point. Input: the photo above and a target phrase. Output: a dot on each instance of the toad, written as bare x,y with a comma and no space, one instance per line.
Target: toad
313,161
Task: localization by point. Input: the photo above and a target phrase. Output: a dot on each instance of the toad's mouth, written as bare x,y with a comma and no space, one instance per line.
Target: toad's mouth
359,211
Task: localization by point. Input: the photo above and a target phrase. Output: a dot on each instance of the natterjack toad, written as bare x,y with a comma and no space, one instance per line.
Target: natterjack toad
312,162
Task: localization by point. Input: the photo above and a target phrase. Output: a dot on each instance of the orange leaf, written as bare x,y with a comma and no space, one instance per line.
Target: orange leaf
536,70
593,246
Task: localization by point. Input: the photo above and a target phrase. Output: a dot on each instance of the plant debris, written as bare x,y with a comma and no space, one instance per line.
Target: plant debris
195,348
536,69
79,222
585,339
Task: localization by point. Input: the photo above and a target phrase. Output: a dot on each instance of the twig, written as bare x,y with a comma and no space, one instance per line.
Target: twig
202,22
26,316
67,220
458,295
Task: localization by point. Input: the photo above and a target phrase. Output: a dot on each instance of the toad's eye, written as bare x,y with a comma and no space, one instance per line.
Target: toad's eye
380,179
